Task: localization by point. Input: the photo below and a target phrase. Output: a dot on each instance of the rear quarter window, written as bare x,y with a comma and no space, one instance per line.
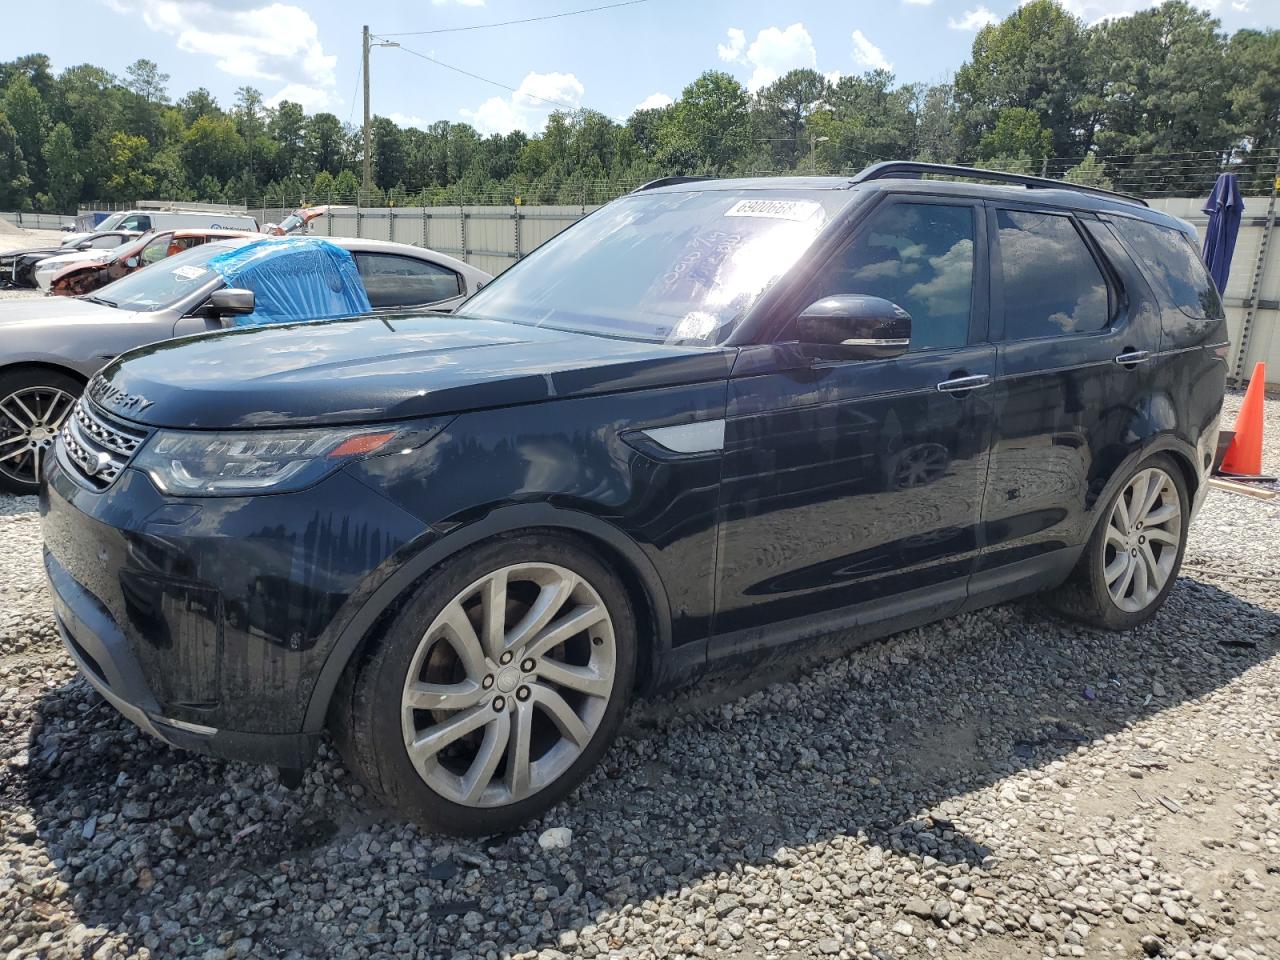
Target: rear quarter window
1172,266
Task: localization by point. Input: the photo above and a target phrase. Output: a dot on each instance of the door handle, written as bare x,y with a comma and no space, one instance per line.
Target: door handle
965,384
1131,357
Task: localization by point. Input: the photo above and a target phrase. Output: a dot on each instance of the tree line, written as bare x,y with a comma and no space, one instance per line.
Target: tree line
1158,101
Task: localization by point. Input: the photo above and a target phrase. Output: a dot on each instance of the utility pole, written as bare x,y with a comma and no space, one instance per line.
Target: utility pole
365,182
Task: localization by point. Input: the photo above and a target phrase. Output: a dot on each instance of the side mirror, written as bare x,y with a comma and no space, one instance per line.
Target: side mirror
853,327
131,262
230,302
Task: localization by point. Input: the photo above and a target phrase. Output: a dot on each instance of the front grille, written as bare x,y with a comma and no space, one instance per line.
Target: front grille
97,447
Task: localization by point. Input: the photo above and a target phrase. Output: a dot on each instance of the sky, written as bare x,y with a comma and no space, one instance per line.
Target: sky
615,60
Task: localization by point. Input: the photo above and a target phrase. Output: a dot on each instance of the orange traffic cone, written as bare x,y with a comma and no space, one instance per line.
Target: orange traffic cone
1244,456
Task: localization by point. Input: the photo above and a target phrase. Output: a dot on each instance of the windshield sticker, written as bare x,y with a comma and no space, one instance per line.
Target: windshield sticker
776,209
189,273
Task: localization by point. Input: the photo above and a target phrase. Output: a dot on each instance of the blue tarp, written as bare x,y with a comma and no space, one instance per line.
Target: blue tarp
1225,208
294,278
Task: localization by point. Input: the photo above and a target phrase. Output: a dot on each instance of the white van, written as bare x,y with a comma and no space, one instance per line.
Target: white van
145,220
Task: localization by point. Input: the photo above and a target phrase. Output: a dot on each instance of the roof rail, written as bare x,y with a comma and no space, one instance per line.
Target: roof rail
668,182
912,169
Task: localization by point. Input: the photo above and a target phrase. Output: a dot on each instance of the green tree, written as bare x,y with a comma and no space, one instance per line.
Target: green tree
1017,133
708,129
198,103
1089,172
346,186
127,178
1164,88
287,129
1036,58
326,143
784,107
213,146
62,162
24,107
15,185
1255,95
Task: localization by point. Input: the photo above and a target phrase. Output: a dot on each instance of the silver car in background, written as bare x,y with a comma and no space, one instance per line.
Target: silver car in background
49,348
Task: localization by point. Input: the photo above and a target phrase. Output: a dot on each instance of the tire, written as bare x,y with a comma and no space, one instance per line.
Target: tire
33,404
1106,590
435,671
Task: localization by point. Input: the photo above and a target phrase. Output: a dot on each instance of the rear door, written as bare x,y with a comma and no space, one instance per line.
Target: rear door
1075,336
854,488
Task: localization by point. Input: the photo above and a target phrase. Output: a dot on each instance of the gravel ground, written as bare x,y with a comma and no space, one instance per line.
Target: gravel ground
998,785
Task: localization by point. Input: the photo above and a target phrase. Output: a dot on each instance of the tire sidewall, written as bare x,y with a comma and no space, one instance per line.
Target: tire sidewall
399,779
1113,617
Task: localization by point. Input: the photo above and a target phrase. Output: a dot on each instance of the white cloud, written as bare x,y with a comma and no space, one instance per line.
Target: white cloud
654,101
833,76
867,55
974,19
409,120
732,51
774,52
527,108
1095,11
310,99
252,40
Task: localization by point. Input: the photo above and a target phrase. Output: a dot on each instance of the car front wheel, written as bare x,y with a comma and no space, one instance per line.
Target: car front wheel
496,688
1132,560
33,405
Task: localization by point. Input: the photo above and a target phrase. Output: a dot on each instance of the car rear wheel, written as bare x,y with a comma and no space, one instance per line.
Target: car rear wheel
496,688
1132,560
33,405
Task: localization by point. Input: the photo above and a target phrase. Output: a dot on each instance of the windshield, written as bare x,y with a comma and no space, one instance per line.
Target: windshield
164,284
681,267
110,223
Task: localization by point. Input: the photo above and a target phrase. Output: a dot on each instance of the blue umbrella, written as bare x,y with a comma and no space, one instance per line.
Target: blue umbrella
1225,208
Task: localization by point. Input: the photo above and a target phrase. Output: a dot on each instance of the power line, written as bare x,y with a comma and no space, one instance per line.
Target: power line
508,23
354,87
495,83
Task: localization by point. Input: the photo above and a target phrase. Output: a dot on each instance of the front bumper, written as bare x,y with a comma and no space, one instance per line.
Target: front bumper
206,622
100,650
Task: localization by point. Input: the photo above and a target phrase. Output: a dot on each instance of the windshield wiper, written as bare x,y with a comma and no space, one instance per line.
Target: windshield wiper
102,300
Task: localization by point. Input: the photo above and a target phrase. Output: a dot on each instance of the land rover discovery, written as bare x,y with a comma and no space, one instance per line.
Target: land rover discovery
710,421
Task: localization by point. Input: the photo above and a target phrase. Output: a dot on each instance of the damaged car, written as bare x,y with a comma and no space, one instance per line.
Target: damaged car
77,279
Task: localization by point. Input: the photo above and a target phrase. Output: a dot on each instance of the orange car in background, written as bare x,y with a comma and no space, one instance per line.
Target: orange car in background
81,278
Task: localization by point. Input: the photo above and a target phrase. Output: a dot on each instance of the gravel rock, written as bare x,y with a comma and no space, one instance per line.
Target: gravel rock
947,792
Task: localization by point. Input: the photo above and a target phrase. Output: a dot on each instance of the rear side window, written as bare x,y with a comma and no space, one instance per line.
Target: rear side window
1052,284
395,281
1173,267
137,222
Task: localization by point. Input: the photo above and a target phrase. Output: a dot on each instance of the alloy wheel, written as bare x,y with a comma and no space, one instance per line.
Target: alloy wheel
508,685
1143,535
29,422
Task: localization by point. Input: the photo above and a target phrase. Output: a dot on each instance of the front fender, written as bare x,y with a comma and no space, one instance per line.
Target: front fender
432,549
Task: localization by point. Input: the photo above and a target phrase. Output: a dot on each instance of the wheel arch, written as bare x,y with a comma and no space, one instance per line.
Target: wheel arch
639,576
20,366
1178,450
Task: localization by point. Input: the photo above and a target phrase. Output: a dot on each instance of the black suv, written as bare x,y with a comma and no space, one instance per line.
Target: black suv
712,420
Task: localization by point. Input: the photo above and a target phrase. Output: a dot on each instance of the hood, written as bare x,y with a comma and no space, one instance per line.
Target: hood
32,251
79,256
47,312
373,370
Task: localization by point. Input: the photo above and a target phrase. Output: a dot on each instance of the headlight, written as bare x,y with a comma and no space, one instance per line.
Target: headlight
237,463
